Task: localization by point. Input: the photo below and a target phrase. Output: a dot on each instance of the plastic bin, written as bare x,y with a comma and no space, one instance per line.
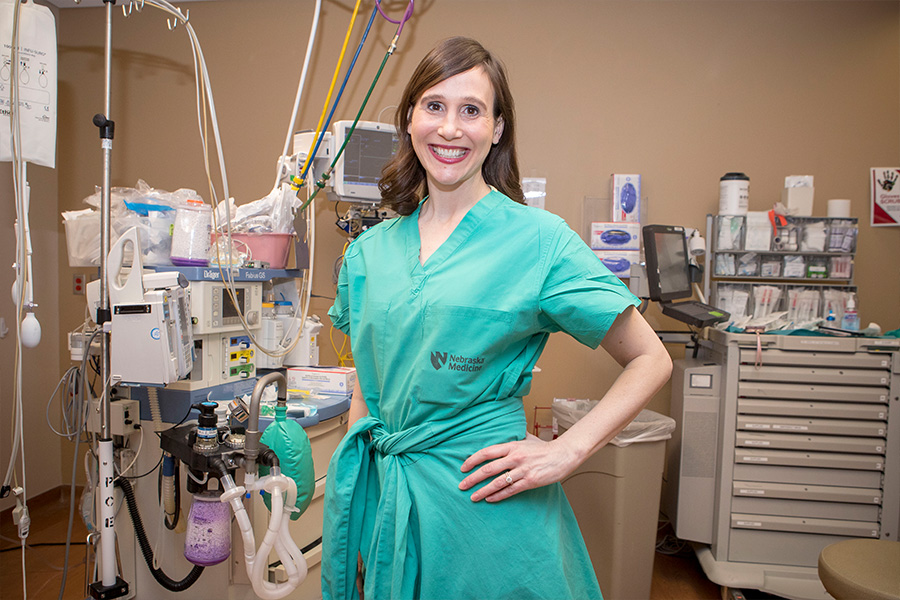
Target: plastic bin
615,495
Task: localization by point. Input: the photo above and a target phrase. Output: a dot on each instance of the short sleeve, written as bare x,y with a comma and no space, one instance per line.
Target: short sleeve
339,313
579,295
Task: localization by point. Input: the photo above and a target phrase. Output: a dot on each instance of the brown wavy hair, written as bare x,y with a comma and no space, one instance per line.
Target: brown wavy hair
403,183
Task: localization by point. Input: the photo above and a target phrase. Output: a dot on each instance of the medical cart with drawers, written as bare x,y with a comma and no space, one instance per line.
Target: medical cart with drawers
785,444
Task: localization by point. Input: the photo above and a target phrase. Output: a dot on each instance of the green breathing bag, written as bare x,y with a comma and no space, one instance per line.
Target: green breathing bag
291,445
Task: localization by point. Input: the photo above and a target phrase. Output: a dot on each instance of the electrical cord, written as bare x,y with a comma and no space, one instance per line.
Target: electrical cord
320,131
80,425
390,51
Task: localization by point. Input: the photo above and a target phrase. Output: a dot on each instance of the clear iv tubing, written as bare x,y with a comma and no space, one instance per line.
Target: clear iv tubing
277,534
296,109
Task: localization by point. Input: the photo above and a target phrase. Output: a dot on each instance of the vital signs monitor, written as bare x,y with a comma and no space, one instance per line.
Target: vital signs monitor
357,173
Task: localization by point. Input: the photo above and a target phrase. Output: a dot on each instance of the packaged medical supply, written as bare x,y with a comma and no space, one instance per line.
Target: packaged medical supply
797,195
626,197
328,380
725,265
734,194
748,265
841,267
794,266
842,236
814,237
191,237
151,211
615,236
758,235
816,268
733,300
728,234
765,300
619,262
770,267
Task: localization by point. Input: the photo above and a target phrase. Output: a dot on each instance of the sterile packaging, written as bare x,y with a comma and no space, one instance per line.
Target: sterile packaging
619,262
327,380
728,233
814,237
758,236
625,191
615,236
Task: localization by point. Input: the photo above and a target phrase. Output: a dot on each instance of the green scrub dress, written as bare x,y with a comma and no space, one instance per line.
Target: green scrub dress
444,353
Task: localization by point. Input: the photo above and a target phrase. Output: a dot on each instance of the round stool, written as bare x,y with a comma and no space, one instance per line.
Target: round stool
861,569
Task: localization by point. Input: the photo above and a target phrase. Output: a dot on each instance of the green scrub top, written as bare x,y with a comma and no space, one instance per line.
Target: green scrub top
444,353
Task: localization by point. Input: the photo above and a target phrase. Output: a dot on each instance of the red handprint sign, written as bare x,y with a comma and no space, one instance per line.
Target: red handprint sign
885,196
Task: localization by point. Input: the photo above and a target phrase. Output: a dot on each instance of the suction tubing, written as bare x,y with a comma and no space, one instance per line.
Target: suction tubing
163,579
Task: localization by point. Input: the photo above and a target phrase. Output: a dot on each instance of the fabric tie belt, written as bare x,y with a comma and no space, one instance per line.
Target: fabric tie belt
370,508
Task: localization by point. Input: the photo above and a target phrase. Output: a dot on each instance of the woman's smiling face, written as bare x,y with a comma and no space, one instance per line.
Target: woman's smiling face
452,128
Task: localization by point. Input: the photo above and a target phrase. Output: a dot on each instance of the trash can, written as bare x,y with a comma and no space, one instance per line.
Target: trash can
615,496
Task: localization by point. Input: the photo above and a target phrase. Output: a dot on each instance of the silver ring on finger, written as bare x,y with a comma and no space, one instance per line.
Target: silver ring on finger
509,478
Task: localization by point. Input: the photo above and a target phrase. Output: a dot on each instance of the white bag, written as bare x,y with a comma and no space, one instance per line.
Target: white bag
37,76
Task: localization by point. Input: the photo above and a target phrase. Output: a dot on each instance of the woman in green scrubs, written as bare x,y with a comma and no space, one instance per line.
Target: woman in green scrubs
437,492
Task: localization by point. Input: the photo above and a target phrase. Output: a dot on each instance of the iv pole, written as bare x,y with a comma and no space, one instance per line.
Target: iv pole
110,584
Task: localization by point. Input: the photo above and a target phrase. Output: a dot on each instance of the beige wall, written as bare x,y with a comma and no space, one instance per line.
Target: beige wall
680,92
41,367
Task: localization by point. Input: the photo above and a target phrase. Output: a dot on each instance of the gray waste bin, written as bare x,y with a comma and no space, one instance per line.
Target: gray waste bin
615,496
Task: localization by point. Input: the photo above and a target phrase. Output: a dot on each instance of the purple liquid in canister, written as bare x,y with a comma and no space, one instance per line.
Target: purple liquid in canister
208,538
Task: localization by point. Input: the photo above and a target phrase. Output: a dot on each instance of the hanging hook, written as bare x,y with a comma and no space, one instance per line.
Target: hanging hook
173,23
133,5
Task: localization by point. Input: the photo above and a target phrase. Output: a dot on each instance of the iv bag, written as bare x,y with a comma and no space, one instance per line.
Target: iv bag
35,75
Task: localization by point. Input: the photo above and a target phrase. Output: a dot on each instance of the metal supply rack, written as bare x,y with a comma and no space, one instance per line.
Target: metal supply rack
789,259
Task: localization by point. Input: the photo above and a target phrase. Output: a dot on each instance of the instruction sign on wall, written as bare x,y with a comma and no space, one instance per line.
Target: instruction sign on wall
885,187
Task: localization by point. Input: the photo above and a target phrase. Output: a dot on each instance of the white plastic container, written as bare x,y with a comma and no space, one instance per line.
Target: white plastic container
734,194
191,236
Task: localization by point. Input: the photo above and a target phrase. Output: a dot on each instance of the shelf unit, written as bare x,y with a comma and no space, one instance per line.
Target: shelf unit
814,255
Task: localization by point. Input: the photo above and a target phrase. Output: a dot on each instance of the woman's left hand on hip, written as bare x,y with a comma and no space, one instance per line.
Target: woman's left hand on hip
514,467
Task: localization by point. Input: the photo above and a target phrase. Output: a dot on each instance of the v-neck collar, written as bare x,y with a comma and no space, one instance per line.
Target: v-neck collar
461,232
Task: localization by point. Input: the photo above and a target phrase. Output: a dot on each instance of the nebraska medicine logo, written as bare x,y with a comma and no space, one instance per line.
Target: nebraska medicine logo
455,362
